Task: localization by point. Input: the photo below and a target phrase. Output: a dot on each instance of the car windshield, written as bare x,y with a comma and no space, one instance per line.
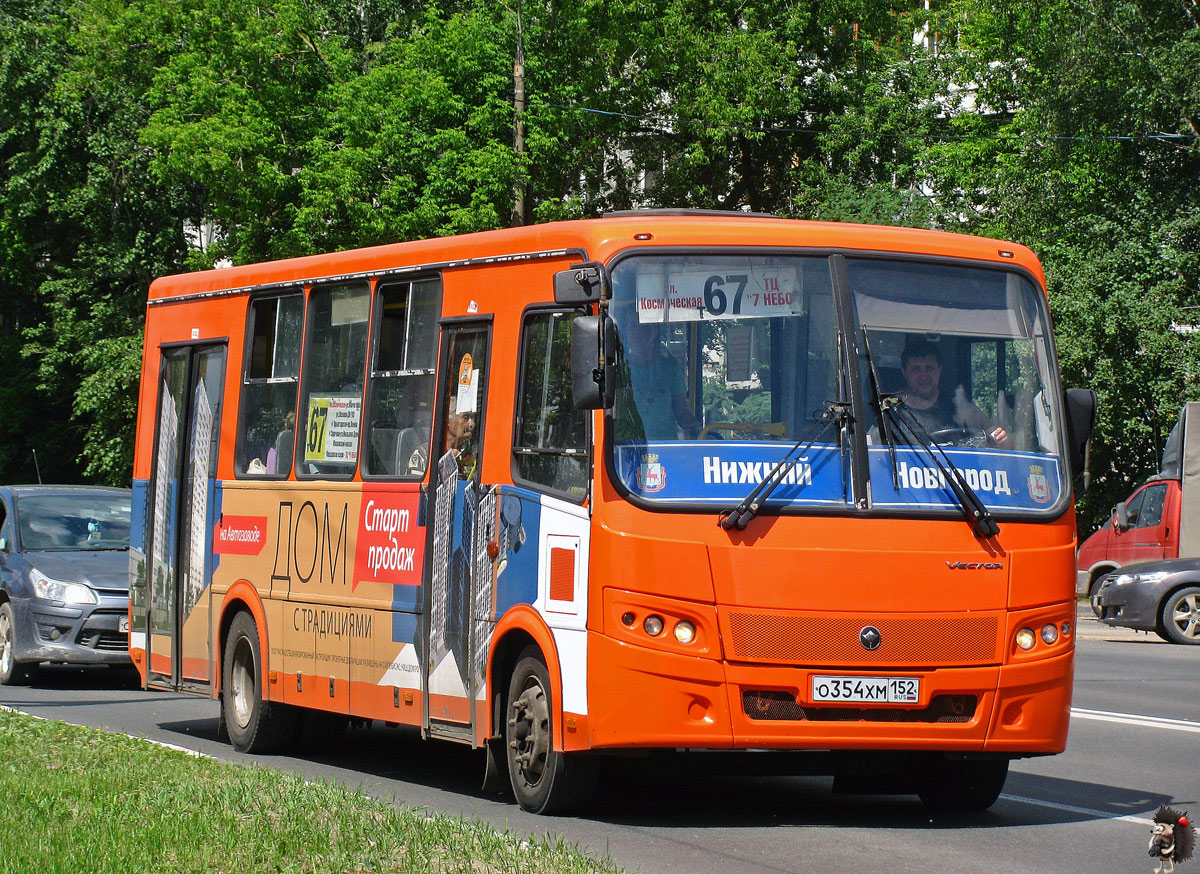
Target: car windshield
729,362
81,521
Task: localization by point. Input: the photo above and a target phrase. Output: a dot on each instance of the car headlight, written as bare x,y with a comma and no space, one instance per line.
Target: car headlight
1147,577
61,590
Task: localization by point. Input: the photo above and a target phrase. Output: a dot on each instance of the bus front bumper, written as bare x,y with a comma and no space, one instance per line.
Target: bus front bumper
640,697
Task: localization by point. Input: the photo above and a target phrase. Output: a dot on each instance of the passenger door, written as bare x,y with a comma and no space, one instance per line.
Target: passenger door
462,522
175,618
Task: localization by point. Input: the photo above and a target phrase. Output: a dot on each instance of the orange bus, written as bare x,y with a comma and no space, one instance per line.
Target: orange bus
656,483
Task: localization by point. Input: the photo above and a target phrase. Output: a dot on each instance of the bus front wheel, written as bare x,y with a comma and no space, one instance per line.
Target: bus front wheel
544,780
254,725
962,785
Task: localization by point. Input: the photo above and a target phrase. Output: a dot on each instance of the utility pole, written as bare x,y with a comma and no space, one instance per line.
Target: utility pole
519,123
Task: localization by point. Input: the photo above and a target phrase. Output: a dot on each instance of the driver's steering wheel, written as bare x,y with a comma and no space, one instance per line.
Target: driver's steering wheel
960,436
773,429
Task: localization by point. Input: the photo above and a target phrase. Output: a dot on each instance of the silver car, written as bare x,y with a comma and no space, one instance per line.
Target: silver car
1159,596
64,577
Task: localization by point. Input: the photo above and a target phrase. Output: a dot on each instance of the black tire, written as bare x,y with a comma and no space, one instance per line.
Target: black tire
963,785
1094,582
543,779
12,672
1179,616
1094,589
254,725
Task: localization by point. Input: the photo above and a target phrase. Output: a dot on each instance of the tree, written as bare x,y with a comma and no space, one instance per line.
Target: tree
294,126
88,233
1077,137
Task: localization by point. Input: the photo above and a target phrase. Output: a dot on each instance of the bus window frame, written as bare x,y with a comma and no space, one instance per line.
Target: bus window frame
373,356
486,322
256,295
305,373
518,396
853,373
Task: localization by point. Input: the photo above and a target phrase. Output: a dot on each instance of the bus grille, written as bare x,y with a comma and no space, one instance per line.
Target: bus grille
834,640
782,706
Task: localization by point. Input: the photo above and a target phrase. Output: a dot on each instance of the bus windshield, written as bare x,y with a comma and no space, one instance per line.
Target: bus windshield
729,362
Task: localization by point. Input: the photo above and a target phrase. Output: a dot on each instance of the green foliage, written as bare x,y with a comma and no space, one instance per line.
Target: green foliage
287,127
85,231
1090,110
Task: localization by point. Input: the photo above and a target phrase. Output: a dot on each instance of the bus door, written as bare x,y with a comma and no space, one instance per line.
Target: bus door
181,514
462,518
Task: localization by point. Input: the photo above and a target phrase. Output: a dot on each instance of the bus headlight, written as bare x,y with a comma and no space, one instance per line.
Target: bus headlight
685,632
62,590
1049,634
653,625
1026,639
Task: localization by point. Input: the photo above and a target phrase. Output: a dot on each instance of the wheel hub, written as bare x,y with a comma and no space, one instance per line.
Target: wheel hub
530,722
1187,616
242,683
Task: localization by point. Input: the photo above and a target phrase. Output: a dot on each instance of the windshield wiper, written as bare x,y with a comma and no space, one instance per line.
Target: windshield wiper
973,507
739,517
883,407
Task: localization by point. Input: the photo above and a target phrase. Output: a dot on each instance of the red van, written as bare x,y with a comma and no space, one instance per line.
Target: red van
1160,519
1143,527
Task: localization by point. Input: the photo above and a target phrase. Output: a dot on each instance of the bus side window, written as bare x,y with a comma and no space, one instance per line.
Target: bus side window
400,402
335,363
272,371
551,436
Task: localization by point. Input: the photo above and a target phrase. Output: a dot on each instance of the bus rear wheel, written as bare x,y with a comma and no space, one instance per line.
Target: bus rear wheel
254,725
544,780
962,785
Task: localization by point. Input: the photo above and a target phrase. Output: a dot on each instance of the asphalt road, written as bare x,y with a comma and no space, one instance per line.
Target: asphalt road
1134,744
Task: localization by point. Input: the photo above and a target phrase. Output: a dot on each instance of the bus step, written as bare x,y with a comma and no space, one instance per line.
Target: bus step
452,731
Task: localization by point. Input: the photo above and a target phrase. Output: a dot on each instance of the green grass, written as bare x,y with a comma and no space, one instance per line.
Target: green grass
79,800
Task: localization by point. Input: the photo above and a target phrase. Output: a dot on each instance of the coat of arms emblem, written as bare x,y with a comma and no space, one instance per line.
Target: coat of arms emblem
1039,484
651,474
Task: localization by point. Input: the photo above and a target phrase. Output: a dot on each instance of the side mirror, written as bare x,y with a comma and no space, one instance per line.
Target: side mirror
593,357
582,284
1121,517
1080,405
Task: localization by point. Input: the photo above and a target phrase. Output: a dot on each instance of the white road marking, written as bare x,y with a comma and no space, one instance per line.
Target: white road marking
1136,719
1085,811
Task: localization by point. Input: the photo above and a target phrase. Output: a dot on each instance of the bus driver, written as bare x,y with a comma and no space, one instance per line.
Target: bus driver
921,365
654,400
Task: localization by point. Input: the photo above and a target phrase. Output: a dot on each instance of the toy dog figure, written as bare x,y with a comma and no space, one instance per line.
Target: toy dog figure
1173,839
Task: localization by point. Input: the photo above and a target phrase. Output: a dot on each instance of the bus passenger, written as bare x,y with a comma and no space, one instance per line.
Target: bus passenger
279,456
460,429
